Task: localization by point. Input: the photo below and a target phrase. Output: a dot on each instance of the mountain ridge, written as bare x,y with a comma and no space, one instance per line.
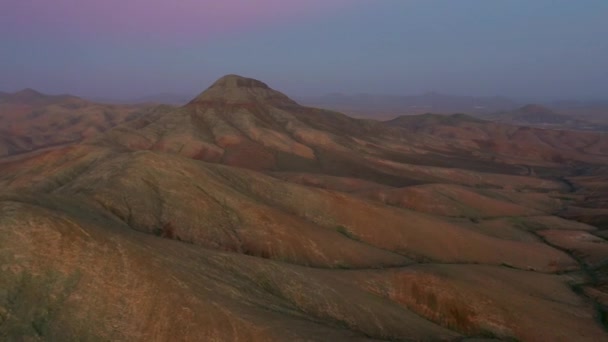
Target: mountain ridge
30,120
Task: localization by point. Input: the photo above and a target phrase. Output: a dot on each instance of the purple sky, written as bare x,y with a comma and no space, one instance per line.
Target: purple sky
153,21
130,48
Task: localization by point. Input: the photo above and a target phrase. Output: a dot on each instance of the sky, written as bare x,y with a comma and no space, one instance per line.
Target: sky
550,49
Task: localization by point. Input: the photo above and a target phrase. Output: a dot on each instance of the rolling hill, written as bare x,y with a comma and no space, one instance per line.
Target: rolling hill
30,120
245,216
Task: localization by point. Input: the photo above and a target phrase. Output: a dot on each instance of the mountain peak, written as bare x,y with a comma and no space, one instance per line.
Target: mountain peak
28,93
535,108
236,81
235,89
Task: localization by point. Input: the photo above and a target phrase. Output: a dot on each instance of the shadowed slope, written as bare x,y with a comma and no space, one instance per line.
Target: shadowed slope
82,274
246,212
85,277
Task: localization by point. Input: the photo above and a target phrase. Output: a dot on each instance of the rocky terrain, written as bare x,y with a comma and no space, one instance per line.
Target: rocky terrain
244,216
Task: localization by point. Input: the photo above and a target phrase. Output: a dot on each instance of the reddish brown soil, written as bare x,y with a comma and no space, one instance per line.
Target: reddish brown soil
246,217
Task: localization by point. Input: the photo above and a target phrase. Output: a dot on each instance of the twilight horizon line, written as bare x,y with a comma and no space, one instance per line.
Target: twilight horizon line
133,48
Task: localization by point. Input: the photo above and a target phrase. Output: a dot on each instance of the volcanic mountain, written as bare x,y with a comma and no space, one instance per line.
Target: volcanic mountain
242,122
30,120
246,216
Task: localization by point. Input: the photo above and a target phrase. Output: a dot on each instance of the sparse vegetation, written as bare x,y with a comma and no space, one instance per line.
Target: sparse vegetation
342,266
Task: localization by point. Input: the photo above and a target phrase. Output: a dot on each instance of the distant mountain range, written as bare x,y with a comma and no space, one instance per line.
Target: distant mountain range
160,98
541,116
580,114
33,97
30,120
410,104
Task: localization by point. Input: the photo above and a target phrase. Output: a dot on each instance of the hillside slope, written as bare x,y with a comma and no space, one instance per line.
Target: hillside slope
30,120
244,216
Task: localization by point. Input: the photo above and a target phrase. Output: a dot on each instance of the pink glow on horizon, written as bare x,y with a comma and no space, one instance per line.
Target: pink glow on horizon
157,19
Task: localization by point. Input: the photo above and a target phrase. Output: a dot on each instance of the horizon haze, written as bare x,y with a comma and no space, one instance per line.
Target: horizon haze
545,50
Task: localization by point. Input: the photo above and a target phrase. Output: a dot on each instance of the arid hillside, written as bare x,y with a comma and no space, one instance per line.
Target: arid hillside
243,216
30,120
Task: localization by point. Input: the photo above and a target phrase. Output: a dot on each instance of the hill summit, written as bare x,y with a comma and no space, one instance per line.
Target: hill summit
28,93
236,81
235,89
536,109
533,114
